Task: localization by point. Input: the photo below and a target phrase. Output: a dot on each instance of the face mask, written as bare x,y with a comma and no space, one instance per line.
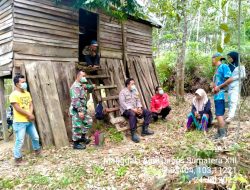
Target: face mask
24,86
161,92
133,88
83,80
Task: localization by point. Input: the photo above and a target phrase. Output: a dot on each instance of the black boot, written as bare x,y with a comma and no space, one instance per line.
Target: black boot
78,146
146,131
134,136
84,139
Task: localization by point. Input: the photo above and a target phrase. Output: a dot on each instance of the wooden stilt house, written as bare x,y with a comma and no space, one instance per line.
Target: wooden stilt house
44,41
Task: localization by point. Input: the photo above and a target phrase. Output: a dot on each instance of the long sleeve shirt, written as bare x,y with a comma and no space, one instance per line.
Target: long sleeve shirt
159,102
129,100
79,98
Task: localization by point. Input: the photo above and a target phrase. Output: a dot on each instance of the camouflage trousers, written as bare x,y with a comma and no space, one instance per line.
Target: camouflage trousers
79,126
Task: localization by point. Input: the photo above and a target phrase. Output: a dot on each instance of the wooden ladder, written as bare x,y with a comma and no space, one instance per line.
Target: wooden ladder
111,98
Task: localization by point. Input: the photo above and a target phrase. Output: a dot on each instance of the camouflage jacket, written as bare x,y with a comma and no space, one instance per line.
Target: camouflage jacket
79,97
88,51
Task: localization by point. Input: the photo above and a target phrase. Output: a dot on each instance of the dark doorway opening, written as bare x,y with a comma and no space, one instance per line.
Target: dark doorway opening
88,30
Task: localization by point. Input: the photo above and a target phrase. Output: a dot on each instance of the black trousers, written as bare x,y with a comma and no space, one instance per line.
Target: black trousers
132,116
90,60
164,112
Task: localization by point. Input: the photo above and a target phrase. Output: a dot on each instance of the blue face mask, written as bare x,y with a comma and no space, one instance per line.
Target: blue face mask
24,86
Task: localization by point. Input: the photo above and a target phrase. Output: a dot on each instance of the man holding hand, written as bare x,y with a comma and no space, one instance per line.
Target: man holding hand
131,108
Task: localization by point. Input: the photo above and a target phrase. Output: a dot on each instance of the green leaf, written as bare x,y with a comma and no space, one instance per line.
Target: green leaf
219,48
223,3
233,187
224,27
178,18
227,38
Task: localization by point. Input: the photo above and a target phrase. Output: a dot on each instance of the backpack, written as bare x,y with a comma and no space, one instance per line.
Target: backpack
99,112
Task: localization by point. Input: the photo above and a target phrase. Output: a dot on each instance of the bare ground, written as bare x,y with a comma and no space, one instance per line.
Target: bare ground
157,162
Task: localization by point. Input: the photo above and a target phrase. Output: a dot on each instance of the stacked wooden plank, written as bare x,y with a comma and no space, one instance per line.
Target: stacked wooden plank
6,37
139,38
44,31
110,37
49,85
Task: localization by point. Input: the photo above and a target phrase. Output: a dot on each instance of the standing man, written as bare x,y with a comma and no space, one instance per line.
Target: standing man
160,104
81,120
91,54
222,79
131,108
22,104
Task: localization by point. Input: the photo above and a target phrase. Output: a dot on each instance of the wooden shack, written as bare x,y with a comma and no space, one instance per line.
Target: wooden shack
44,41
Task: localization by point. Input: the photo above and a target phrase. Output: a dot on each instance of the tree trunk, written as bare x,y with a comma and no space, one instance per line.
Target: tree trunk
198,29
180,60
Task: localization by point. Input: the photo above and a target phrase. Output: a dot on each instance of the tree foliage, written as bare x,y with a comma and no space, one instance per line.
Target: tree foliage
116,8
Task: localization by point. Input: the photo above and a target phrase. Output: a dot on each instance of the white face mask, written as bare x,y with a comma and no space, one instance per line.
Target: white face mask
133,88
161,92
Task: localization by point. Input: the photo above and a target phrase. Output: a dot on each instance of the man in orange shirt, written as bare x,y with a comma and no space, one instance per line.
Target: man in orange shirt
160,104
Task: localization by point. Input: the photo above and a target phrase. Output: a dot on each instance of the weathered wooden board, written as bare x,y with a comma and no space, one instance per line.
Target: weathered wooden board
49,99
64,77
42,50
6,47
42,119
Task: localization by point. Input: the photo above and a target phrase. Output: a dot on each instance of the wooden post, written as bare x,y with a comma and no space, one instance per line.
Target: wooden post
124,44
3,111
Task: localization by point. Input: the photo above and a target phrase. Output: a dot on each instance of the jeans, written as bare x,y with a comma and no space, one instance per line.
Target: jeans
20,128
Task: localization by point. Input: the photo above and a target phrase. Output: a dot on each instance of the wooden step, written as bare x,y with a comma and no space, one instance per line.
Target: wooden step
110,98
87,69
105,87
109,110
97,76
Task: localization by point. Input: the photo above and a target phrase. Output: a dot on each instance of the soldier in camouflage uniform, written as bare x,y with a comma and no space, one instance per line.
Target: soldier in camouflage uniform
81,120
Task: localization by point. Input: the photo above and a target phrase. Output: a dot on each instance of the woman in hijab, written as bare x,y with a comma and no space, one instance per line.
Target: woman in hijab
201,115
233,89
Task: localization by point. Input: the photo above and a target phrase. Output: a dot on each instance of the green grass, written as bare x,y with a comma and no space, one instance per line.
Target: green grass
8,183
98,170
121,171
114,135
38,179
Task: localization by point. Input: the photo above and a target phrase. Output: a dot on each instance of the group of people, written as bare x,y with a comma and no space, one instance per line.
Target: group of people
226,78
226,75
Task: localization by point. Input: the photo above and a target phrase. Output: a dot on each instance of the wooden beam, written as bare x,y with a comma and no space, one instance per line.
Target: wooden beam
96,76
105,87
110,98
3,111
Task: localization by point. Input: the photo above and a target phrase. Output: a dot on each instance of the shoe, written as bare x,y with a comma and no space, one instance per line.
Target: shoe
20,162
79,146
164,119
146,131
228,120
84,139
38,152
222,132
217,135
134,136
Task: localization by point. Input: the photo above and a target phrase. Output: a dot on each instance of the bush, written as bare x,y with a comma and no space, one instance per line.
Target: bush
198,70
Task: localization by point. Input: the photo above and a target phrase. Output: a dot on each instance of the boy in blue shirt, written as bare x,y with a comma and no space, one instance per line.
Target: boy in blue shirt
222,78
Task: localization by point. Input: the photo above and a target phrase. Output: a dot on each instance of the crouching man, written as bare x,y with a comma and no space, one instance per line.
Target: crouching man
131,108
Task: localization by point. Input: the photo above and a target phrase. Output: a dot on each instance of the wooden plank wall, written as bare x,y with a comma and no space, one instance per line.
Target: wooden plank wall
6,37
110,37
130,44
44,32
